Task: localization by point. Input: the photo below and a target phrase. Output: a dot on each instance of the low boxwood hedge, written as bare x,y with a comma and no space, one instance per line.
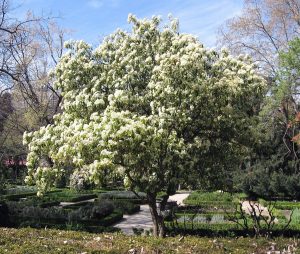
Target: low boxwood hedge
126,207
132,200
76,206
227,229
211,204
283,205
108,220
49,204
16,197
82,197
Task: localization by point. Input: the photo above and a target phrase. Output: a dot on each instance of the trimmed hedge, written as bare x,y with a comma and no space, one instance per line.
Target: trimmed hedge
283,205
208,216
108,220
16,197
225,229
76,206
213,199
126,207
132,200
126,195
211,204
49,204
82,197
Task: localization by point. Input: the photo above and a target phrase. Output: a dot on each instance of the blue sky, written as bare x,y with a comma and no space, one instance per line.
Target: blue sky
91,20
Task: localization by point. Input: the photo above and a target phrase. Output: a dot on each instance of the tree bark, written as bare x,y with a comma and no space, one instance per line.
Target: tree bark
157,218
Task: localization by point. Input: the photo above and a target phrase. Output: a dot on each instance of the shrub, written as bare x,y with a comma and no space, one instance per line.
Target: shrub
126,207
17,196
49,204
67,195
20,190
55,213
78,180
123,195
261,183
92,211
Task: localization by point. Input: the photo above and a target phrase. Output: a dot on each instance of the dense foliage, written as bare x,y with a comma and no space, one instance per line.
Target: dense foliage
273,169
151,105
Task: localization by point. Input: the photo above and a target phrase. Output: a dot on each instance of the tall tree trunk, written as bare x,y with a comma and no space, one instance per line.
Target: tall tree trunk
157,219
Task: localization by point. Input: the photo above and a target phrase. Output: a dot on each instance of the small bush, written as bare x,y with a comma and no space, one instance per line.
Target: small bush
126,207
43,213
92,211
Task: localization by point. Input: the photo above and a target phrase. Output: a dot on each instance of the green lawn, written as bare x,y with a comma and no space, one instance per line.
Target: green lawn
56,241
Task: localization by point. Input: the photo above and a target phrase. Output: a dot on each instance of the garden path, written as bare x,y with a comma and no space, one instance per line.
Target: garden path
142,219
179,197
246,206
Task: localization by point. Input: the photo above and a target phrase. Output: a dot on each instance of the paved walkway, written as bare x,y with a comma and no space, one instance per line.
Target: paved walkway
142,219
179,197
259,209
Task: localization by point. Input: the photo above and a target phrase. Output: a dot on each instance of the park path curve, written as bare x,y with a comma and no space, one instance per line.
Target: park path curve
142,219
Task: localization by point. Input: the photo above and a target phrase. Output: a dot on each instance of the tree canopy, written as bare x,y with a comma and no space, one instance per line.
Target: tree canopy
151,105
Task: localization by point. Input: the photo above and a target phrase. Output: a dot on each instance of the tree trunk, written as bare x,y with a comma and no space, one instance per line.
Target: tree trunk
157,219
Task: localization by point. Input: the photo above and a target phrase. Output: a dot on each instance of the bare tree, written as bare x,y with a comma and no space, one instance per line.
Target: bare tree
256,218
29,49
262,30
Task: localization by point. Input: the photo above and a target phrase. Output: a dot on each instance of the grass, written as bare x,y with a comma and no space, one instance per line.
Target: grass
296,217
57,241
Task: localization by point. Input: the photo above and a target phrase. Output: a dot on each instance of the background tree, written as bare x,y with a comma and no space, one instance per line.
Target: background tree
29,48
265,29
274,166
153,105
262,30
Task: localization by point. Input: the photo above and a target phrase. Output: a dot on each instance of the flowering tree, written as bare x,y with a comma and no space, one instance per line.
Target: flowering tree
150,105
